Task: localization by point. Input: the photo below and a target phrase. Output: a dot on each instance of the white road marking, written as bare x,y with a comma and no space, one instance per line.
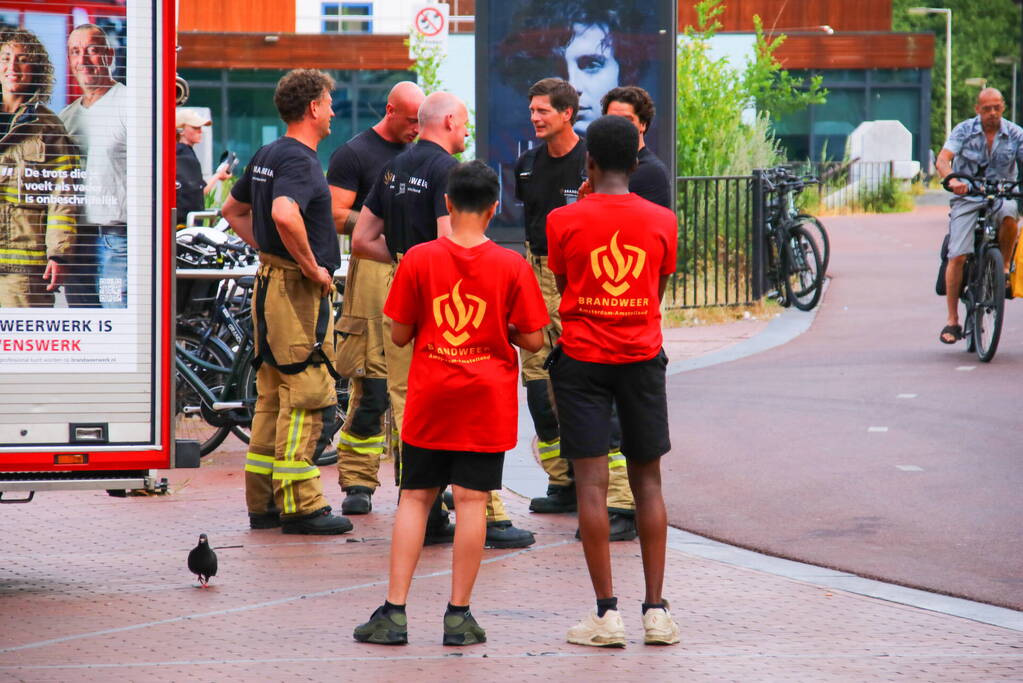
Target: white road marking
910,468
906,396
966,368
877,429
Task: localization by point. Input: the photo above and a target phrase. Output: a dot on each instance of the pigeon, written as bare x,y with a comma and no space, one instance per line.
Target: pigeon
202,561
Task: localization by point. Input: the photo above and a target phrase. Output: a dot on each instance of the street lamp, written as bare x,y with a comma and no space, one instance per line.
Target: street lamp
1015,66
920,11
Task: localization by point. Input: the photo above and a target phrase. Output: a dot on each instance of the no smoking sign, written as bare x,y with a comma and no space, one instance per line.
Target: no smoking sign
430,21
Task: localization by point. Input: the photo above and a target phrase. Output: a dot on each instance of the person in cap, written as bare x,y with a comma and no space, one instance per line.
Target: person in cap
190,186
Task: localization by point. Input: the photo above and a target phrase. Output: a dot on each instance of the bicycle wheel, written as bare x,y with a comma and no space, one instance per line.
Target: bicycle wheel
248,396
801,264
247,392
987,312
194,426
774,289
820,237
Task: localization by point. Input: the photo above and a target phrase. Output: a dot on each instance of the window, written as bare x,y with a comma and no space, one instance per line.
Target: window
347,17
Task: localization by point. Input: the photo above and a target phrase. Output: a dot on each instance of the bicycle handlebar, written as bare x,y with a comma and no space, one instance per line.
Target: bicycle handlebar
982,187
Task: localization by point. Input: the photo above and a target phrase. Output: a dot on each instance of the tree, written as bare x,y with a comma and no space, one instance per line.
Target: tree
981,31
712,94
427,59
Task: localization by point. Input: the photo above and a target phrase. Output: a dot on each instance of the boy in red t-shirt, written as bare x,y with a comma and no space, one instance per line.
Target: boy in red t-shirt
611,254
465,301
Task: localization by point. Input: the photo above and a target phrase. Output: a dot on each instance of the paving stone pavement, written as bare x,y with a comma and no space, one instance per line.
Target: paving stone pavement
95,588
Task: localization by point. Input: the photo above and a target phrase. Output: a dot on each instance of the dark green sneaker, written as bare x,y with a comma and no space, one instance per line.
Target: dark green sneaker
383,629
460,628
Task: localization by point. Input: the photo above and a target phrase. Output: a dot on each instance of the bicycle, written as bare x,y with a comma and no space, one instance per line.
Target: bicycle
792,260
983,284
216,382
789,187
216,387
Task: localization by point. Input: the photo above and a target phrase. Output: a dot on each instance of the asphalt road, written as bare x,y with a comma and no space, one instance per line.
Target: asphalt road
864,445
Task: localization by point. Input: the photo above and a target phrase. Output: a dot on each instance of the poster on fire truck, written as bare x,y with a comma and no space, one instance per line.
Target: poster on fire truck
77,210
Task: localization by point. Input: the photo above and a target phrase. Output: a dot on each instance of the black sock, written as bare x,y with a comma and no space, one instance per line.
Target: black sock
390,608
457,609
604,604
654,605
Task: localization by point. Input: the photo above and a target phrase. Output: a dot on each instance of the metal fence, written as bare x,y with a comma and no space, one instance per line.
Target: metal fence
849,185
717,236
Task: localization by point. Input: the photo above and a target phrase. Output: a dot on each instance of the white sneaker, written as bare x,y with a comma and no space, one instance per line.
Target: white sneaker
659,628
606,631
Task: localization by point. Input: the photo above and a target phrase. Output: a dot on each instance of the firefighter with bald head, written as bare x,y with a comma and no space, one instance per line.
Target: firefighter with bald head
406,207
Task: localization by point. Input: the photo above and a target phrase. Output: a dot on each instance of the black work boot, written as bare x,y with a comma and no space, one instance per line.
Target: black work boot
358,501
439,533
558,499
621,526
503,535
271,519
438,530
320,523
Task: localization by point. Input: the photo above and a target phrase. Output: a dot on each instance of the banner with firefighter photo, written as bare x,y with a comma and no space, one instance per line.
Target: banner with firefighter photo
76,184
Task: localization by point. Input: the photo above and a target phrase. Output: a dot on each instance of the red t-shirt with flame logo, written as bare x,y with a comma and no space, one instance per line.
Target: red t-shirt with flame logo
612,250
462,386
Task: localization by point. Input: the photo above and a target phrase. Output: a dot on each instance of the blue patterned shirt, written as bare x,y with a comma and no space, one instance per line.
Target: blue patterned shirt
969,144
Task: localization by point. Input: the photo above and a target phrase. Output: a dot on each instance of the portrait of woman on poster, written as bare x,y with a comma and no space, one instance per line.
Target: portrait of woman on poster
38,221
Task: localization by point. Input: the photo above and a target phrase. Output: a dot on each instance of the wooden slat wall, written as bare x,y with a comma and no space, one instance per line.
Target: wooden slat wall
251,51
841,15
857,51
321,51
271,16
463,8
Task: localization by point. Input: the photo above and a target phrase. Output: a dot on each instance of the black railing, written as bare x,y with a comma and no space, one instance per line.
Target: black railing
848,186
717,238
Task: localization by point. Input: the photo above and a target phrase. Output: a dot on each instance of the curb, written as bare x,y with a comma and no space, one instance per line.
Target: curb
523,477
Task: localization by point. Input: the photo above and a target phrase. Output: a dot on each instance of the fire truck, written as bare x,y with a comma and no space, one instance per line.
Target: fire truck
86,247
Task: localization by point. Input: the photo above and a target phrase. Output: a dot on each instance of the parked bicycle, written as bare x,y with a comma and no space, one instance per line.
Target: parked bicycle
788,187
216,381
793,264
983,288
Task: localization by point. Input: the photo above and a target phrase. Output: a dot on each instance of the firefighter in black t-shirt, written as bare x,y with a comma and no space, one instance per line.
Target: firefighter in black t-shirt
281,206
546,177
354,167
406,207
650,179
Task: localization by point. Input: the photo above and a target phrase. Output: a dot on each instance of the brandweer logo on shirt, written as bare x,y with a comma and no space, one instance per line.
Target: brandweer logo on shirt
612,265
456,312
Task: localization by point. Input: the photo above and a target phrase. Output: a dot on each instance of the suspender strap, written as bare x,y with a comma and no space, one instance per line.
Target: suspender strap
316,356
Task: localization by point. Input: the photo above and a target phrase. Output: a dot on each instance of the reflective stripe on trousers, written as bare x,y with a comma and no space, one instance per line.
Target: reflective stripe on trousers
371,445
615,459
549,449
259,464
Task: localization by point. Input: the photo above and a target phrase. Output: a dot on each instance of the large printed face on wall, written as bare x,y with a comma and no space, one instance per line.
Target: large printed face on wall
18,73
595,45
592,69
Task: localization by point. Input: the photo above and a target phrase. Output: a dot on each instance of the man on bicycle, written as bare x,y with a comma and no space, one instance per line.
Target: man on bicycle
985,146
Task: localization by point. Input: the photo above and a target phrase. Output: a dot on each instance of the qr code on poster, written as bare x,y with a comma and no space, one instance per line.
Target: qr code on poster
110,290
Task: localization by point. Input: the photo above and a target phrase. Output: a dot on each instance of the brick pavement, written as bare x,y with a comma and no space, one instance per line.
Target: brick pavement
96,588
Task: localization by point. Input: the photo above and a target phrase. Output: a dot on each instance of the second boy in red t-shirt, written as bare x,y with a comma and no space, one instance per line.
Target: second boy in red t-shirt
611,254
465,300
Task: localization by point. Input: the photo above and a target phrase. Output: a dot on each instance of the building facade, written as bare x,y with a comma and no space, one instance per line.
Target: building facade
233,52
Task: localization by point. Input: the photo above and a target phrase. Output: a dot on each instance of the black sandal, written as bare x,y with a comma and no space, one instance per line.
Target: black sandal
955,331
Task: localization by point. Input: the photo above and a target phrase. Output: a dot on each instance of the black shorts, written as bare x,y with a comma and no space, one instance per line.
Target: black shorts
585,392
426,468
